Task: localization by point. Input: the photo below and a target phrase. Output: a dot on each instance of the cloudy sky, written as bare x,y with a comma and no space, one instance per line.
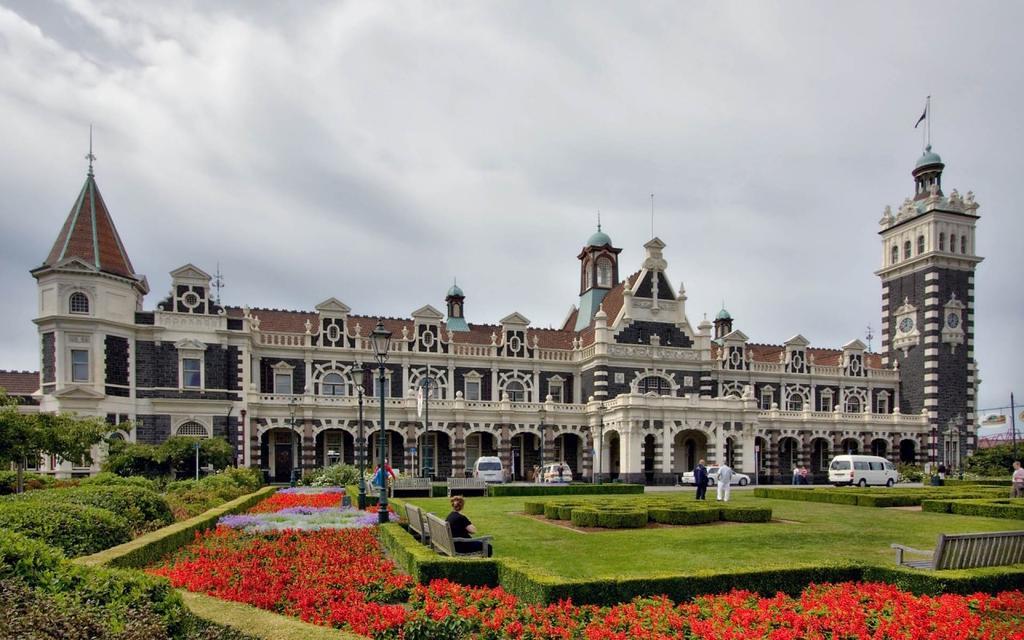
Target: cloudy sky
373,151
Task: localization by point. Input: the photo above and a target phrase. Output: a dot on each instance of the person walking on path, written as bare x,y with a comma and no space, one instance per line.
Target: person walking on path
796,474
700,478
724,481
1018,480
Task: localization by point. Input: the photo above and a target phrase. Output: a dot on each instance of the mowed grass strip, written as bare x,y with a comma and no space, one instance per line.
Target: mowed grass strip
810,534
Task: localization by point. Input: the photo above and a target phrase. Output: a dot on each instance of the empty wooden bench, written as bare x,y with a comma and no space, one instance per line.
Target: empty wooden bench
417,523
442,541
968,550
465,486
411,486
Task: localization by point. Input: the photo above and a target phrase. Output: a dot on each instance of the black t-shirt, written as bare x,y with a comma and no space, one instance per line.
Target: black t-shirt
459,524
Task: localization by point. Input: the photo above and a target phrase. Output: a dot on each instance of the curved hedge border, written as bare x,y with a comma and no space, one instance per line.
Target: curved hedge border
75,529
1009,508
142,508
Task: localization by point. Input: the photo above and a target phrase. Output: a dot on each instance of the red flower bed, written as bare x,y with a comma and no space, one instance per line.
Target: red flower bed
280,501
339,578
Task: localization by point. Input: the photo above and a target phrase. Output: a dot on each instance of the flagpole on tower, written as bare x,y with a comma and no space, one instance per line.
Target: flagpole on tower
928,120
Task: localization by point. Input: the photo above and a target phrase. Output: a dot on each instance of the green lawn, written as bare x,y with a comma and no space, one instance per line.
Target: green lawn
801,533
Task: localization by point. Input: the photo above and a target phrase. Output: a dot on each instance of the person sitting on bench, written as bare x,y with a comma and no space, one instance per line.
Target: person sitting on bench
463,528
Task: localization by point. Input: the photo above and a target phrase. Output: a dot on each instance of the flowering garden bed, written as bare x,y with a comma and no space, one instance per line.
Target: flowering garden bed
339,577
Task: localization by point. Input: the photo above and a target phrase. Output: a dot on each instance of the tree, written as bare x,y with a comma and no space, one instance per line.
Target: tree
24,436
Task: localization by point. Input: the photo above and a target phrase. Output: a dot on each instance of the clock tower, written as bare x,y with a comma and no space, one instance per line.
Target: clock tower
928,264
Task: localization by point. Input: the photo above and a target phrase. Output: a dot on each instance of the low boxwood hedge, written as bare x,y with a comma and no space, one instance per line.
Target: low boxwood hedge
1005,508
745,514
73,528
684,515
585,516
635,513
874,497
622,518
504,491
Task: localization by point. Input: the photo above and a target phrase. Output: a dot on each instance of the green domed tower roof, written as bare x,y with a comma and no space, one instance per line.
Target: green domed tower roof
723,315
598,239
456,291
929,157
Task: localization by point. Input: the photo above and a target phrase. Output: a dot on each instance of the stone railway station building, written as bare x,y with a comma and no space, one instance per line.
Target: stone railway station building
628,388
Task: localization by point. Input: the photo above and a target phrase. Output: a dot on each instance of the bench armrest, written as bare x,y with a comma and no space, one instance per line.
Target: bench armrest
910,549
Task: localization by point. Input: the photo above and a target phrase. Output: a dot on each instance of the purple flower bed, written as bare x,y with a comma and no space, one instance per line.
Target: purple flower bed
313,490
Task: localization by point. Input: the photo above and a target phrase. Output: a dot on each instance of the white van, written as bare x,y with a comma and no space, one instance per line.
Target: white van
489,469
861,471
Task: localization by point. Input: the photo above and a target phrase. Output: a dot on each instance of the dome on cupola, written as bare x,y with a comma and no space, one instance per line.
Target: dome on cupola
455,290
929,157
723,315
599,239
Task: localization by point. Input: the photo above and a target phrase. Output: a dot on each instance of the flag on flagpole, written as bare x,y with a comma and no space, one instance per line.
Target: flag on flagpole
924,114
419,401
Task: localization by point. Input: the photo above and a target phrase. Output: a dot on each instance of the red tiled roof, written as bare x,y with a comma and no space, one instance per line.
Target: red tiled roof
19,383
822,357
89,234
570,321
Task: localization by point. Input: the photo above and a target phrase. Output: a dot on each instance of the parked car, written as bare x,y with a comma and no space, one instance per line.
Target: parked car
550,473
489,469
861,471
738,478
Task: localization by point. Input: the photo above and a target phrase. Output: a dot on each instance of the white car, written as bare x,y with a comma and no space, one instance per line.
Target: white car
550,473
738,478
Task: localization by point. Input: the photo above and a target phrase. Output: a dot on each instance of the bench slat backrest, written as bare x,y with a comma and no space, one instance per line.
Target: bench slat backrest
440,535
970,550
415,519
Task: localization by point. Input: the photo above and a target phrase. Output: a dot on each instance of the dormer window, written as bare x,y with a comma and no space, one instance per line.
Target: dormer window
604,273
78,303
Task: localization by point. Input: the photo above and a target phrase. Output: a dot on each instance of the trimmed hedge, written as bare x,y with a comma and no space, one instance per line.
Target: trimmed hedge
504,491
424,564
878,497
142,508
636,513
622,518
745,514
684,516
1007,508
982,482
148,548
74,529
107,478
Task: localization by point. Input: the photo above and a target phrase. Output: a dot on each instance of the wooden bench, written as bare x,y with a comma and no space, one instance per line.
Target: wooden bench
411,486
442,541
417,523
968,550
463,486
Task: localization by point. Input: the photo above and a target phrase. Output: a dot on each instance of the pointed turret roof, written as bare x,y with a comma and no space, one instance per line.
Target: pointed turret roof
89,235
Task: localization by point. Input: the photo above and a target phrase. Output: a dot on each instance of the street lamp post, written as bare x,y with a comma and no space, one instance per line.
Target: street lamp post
426,383
542,413
600,440
197,458
381,339
291,423
358,377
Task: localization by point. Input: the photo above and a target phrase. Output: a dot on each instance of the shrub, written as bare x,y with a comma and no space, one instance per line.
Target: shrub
534,508
143,509
992,462
683,515
75,529
622,518
337,475
181,454
33,481
909,472
1008,508
134,459
585,516
188,498
936,506
503,490
746,514
108,478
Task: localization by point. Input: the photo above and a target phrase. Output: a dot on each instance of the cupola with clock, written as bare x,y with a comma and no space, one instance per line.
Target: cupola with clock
928,263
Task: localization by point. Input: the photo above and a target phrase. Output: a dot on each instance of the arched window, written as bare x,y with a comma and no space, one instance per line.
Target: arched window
654,384
853,405
920,245
895,257
942,241
78,303
516,392
795,403
191,429
604,273
333,385
588,275
906,250
963,244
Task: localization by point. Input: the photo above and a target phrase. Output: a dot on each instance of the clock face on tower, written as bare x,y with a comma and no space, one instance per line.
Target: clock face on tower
906,325
953,320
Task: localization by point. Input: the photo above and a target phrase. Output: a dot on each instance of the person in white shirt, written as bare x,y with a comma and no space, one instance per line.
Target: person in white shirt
724,481
1018,481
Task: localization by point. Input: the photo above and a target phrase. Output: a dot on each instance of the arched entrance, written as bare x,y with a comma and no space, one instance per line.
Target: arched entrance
525,455
687,448
908,451
613,445
394,450
569,449
279,453
850,446
478,445
788,448
761,458
879,447
433,455
819,455
334,446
